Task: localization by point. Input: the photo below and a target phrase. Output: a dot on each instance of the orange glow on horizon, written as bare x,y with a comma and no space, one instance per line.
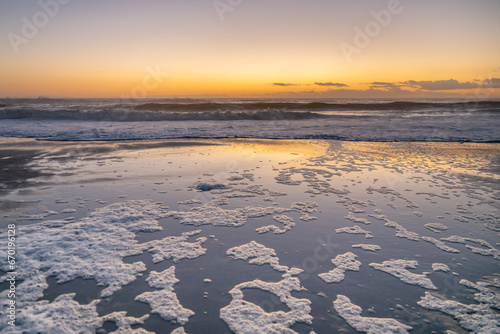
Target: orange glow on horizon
91,49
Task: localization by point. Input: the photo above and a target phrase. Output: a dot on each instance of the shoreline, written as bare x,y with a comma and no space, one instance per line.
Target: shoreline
19,156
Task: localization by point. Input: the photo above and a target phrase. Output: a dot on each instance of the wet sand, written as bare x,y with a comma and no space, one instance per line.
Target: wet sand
188,211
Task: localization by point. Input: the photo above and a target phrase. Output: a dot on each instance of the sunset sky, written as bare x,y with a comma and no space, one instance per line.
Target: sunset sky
250,48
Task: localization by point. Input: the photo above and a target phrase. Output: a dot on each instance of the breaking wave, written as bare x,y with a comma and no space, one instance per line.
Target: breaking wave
188,109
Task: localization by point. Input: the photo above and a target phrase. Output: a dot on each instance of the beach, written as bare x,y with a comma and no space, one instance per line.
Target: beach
231,235
249,167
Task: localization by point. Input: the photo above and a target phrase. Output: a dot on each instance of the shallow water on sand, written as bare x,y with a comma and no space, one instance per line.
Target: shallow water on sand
403,197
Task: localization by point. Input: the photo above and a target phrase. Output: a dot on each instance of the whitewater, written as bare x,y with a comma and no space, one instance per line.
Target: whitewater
350,120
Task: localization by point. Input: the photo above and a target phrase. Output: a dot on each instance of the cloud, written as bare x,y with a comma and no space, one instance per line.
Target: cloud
392,90
388,93
282,84
450,84
491,83
330,84
381,84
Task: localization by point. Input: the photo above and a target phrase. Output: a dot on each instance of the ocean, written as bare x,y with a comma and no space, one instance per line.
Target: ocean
336,119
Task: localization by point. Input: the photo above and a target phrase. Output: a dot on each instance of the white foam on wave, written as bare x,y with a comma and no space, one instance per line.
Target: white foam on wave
164,301
343,263
352,314
84,121
399,269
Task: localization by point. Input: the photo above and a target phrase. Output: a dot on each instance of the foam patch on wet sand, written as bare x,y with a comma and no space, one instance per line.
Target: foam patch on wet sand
355,230
352,218
482,318
212,213
436,227
64,315
352,314
93,247
440,267
488,251
90,248
401,232
441,245
287,222
398,268
259,254
367,247
176,248
485,294
343,263
164,301
245,317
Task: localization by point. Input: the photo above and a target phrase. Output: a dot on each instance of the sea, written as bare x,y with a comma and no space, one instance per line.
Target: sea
337,119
